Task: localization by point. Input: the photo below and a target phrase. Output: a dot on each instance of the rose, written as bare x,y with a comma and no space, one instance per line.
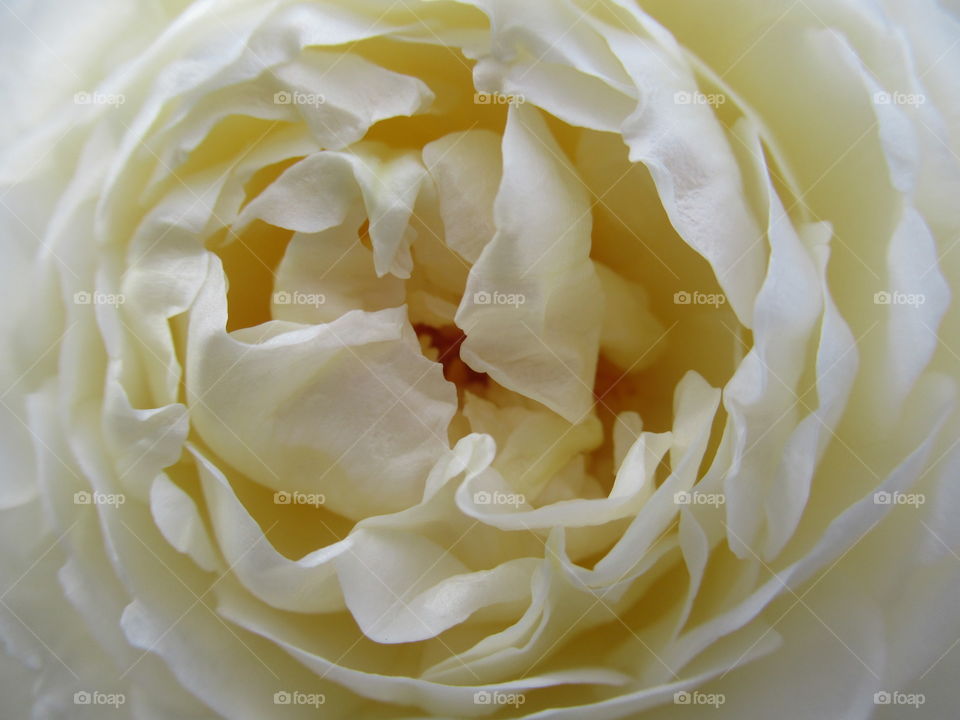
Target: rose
779,412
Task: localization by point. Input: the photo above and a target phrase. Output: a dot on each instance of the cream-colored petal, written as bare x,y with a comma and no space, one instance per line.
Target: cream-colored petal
342,401
544,343
466,169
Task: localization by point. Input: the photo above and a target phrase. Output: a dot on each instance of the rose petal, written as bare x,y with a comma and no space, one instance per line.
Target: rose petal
546,346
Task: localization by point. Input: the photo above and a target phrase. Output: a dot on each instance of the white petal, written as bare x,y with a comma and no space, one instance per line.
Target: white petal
342,401
696,174
544,347
466,169
178,518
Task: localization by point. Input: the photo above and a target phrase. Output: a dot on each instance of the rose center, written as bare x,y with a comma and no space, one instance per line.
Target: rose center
445,342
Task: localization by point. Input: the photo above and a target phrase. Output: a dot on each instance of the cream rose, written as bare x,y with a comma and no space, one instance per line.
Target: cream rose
541,358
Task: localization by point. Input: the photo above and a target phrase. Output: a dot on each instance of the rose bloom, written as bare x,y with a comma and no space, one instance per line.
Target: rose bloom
515,358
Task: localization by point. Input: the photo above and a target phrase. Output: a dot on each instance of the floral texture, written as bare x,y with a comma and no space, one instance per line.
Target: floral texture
543,358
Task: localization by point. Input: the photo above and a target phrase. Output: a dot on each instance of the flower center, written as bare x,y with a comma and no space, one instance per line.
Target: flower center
663,313
442,345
